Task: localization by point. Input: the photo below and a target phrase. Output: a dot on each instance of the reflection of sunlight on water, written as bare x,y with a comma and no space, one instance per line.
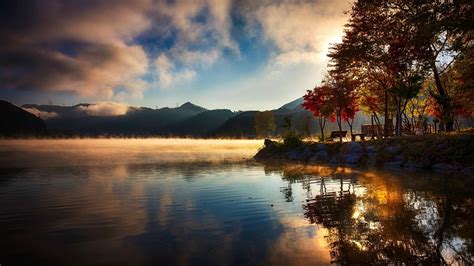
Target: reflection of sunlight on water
379,217
22,153
300,244
137,209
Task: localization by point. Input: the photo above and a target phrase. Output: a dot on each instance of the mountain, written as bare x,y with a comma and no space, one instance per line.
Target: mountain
293,105
186,120
77,119
15,121
203,124
191,108
241,125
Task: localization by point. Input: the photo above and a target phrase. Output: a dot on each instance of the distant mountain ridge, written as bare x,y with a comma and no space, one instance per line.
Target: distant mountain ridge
187,120
15,121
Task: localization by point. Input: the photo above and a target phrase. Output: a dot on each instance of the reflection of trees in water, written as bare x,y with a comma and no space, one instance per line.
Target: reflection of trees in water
334,211
396,220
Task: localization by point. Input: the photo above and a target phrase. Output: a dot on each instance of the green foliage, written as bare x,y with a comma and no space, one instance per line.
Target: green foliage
292,140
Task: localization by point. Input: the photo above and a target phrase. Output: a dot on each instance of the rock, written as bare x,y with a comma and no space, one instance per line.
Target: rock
412,165
398,158
299,155
351,153
320,156
308,153
294,155
393,149
351,158
468,171
371,149
269,143
320,147
371,155
334,160
393,164
444,167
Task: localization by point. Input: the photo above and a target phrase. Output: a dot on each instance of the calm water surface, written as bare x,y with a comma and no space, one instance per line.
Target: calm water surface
201,202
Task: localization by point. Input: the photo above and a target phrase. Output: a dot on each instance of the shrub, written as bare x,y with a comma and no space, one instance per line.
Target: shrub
292,140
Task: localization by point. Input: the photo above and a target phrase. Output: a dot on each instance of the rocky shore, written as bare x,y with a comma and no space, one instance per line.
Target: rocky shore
438,152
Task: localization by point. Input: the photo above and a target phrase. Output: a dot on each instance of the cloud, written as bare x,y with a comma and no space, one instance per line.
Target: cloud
167,75
104,109
305,33
117,50
41,114
202,33
67,46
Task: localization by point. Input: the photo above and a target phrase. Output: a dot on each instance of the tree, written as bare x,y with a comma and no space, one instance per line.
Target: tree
406,88
442,32
317,102
363,53
335,99
265,123
386,42
344,97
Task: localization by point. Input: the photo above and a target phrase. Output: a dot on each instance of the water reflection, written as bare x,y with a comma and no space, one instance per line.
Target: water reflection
388,218
208,213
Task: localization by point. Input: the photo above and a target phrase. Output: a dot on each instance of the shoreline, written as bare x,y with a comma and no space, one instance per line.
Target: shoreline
450,152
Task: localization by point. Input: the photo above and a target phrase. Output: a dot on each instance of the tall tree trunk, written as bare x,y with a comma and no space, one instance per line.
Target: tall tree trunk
444,100
339,123
385,110
350,126
322,124
398,119
379,125
373,128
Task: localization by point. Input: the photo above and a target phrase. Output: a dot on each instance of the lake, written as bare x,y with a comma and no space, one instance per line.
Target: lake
204,202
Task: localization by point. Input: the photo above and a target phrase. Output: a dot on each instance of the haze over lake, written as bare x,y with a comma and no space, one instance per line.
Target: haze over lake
203,202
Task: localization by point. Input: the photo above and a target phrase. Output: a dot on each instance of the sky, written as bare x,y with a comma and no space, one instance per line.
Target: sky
238,55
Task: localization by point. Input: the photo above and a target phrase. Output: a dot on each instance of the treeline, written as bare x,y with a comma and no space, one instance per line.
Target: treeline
401,62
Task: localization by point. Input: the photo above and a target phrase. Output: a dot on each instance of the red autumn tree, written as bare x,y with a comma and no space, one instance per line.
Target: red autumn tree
344,98
335,99
317,101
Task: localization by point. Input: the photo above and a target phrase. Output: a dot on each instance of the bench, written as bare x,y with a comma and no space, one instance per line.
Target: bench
371,130
337,134
361,136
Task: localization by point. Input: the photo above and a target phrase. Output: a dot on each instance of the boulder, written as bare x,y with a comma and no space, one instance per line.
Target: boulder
269,143
295,155
334,160
371,155
320,147
351,153
468,171
307,153
412,165
445,167
371,149
393,164
320,156
393,149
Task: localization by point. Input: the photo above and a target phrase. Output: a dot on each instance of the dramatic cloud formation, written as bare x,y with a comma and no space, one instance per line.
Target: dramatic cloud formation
202,30
129,50
73,46
306,31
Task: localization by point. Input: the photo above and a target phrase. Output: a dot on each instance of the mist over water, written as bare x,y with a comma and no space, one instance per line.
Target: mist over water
67,152
202,202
